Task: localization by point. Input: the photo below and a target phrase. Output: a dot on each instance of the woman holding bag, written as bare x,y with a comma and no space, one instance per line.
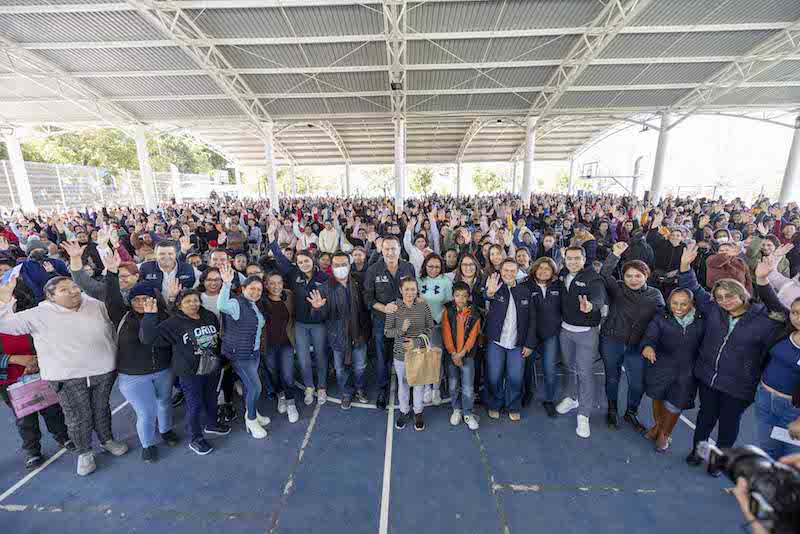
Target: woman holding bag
412,319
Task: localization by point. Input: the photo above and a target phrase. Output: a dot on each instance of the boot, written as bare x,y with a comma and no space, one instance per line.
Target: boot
612,418
668,420
658,413
633,418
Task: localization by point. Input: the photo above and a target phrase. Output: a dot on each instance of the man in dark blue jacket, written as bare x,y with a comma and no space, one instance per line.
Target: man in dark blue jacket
511,337
166,269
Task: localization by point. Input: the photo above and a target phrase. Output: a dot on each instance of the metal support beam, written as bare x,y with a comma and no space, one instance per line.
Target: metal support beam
399,164
294,179
571,170
269,153
347,179
145,170
661,157
20,173
176,183
637,173
790,187
394,13
530,150
459,169
513,175
238,174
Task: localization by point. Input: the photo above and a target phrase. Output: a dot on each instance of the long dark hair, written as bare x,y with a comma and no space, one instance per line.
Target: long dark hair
423,271
459,277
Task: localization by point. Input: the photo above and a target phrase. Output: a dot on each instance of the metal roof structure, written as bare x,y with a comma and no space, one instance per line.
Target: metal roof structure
332,75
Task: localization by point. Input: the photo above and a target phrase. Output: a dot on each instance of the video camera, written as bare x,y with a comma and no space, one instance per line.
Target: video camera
774,487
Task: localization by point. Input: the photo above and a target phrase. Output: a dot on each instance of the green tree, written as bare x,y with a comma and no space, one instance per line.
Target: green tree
578,182
421,180
379,180
488,181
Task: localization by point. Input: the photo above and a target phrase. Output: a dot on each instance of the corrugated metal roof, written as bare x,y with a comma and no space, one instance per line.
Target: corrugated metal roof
163,85
70,27
650,73
688,12
119,59
762,96
783,72
473,50
335,20
239,23
263,56
685,45
150,110
621,99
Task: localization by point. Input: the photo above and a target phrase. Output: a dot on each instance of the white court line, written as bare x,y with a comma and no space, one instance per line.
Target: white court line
10,491
383,527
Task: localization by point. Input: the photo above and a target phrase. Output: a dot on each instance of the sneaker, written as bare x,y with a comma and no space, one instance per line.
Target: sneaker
455,418
419,422
219,429
550,408
178,398
86,464
67,444
437,397
322,396
282,403
494,414
170,438
567,405
513,416
583,427
427,397
380,402
471,421
200,446
117,448
309,398
150,454
346,403
226,412
400,422
694,459
361,396
33,461
291,411
238,387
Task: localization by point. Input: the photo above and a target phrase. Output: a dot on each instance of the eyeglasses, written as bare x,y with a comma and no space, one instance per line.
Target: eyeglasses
725,297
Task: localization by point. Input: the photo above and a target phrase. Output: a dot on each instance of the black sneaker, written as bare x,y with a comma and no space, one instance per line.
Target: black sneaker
34,461
715,472
633,418
200,446
150,454
419,422
361,396
170,438
400,422
346,403
219,429
178,398
380,403
694,458
226,412
67,444
550,408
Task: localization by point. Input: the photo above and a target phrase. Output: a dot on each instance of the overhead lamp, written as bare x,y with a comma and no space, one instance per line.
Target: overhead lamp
396,86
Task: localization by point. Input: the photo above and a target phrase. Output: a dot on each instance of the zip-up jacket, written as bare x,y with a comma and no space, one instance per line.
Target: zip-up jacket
450,327
731,360
526,315
299,284
346,322
188,338
380,286
548,308
629,309
586,282
153,276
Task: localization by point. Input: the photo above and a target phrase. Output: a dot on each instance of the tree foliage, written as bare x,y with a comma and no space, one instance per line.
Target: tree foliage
578,182
379,180
421,180
489,180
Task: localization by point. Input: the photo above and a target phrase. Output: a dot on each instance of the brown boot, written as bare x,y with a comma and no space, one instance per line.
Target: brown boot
658,413
668,422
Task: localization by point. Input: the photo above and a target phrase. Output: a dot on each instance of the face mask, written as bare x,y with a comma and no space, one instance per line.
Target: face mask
722,239
341,272
38,255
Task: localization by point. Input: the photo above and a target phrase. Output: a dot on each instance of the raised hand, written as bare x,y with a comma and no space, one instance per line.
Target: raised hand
761,229
222,237
406,325
649,354
226,271
493,284
4,243
7,289
315,299
113,238
174,288
111,261
783,250
48,266
150,305
585,304
102,238
766,265
185,244
73,249
688,256
619,249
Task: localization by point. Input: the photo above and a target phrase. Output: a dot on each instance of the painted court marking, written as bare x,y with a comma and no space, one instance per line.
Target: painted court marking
539,488
10,491
383,526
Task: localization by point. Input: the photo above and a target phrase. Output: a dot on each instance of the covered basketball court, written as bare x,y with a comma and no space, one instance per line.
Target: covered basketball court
274,83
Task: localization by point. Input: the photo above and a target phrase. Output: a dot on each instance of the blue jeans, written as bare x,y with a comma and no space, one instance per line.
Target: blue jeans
151,398
201,402
359,368
614,353
247,369
383,356
504,366
308,335
551,352
771,411
279,361
461,382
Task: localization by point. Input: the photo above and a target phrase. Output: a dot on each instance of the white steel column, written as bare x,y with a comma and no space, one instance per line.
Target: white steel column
20,173
347,179
294,178
145,170
238,174
514,175
661,157
458,178
789,186
571,170
637,171
269,152
399,163
530,150
176,183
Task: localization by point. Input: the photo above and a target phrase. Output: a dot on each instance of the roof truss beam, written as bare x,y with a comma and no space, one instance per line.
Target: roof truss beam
394,12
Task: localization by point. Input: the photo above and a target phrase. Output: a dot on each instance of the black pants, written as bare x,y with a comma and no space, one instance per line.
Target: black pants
28,426
201,402
716,406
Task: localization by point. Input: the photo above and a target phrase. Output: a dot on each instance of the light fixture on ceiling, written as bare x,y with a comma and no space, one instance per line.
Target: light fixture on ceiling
396,86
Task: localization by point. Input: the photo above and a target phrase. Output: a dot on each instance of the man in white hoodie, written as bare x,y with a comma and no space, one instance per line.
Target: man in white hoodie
328,238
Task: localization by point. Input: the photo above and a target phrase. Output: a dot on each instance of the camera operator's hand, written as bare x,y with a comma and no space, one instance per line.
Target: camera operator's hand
742,494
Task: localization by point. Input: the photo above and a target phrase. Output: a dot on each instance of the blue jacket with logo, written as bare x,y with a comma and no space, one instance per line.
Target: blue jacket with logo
151,275
548,308
526,314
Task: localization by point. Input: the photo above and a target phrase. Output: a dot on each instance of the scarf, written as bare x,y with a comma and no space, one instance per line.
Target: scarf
686,320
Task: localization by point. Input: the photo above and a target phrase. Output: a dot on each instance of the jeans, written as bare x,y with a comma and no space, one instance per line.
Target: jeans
306,335
248,372
359,368
718,406
579,350
771,411
84,402
279,361
28,426
404,390
504,367
614,353
461,382
201,402
151,398
550,349
383,352
438,342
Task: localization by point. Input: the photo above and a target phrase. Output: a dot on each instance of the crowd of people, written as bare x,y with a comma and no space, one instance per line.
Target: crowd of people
698,300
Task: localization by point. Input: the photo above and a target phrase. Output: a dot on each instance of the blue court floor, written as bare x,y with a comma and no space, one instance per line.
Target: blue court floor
350,472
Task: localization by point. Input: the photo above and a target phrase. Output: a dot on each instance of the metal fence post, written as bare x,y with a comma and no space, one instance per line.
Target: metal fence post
61,188
8,182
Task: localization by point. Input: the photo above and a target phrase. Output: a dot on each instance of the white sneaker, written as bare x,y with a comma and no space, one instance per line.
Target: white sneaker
263,420
239,388
426,398
291,411
309,398
455,418
254,428
86,464
322,396
567,405
437,397
583,427
282,404
472,421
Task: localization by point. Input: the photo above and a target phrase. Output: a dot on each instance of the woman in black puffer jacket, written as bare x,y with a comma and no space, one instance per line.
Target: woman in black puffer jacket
670,345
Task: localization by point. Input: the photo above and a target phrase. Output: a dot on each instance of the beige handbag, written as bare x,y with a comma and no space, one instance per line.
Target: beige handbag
423,365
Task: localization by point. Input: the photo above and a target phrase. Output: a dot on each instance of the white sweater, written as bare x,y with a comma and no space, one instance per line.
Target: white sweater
69,344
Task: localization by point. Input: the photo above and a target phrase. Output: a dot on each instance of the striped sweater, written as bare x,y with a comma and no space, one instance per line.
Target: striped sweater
421,323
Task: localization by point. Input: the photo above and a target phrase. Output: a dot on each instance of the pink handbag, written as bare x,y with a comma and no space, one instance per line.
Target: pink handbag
30,396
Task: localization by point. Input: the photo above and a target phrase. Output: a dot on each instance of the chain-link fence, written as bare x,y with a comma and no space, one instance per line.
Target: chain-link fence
57,186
